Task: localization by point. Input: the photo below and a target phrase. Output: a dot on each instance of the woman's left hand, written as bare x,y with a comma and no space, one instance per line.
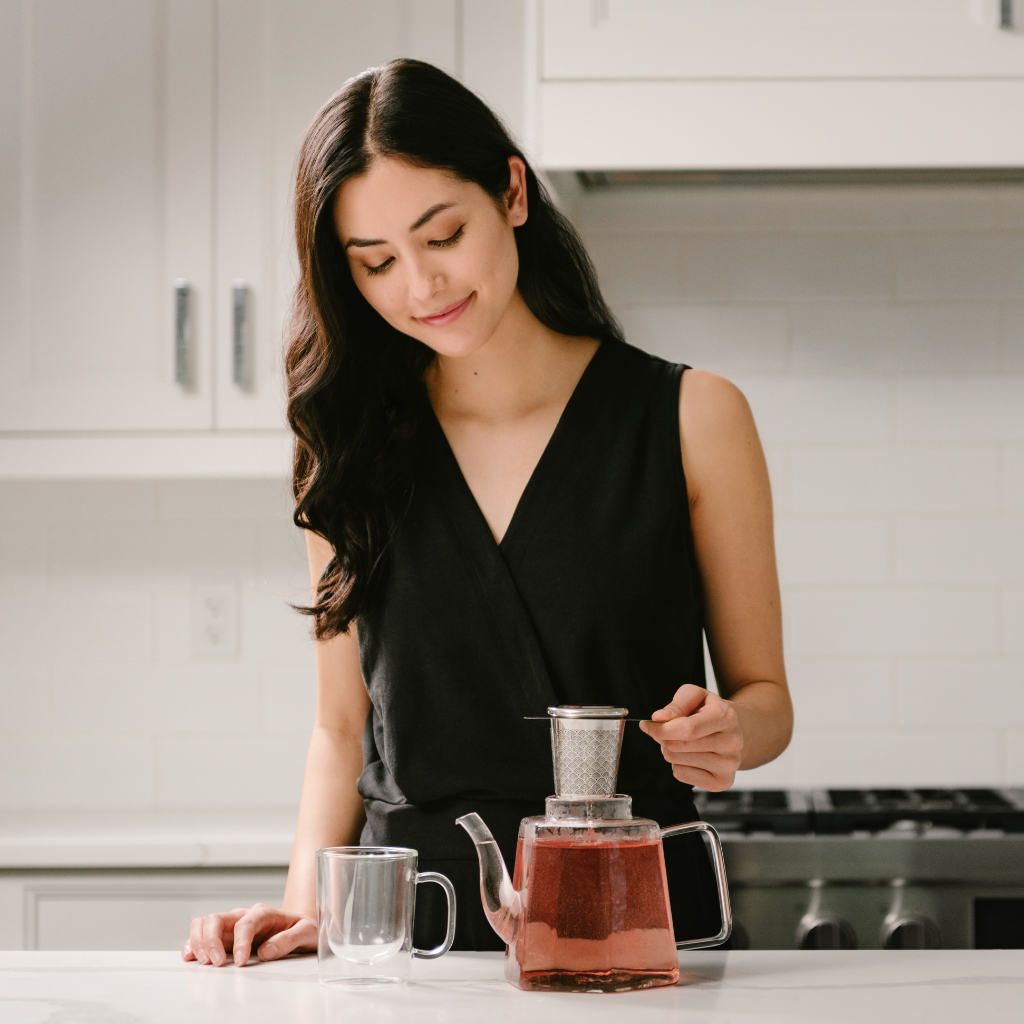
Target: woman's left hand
700,736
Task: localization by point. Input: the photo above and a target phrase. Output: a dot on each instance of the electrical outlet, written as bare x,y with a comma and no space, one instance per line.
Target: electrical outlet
214,620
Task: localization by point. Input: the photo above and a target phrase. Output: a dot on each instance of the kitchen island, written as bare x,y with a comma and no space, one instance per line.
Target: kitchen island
755,986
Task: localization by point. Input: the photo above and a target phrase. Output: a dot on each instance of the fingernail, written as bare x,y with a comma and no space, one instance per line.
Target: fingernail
643,727
239,959
268,952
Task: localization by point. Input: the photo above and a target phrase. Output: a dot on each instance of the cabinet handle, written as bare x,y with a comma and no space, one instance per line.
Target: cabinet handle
1006,13
239,349
182,295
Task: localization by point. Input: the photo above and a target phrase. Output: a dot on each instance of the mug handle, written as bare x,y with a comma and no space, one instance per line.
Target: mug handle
449,891
723,885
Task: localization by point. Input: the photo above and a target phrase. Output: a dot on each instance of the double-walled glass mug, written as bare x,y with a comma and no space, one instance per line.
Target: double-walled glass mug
365,904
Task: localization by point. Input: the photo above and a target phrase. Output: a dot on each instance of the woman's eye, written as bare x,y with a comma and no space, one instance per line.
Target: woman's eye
440,243
381,267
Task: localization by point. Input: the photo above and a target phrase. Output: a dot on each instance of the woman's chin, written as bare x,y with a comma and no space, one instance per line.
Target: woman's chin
452,346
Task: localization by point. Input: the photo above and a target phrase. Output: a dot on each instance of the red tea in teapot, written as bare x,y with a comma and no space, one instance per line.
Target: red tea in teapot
597,914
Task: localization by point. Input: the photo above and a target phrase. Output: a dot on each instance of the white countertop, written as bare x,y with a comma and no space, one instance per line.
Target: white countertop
859,986
145,839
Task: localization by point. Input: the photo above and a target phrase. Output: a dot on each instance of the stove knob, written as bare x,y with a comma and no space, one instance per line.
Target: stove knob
910,931
825,931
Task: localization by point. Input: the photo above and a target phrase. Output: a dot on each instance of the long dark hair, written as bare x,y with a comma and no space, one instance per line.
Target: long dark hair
356,396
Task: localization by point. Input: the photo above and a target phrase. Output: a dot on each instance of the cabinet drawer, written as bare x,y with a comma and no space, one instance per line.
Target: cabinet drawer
134,911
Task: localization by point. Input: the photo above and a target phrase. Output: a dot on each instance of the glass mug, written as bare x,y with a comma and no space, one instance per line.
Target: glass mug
365,900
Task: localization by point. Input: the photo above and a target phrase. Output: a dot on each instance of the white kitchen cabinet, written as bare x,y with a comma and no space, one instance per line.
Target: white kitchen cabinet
142,143
676,84
127,910
277,63
105,201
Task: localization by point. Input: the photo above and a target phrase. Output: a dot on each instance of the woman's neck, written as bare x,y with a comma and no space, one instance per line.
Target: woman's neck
522,367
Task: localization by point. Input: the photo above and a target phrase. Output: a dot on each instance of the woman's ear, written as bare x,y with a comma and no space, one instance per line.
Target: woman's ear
515,198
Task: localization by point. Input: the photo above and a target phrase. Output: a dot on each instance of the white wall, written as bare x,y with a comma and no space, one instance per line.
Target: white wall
879,336
102,701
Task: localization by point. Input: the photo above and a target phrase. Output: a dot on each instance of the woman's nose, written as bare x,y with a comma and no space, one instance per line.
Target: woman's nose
425,281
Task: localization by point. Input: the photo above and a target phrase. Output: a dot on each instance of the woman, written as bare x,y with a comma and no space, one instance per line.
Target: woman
506,507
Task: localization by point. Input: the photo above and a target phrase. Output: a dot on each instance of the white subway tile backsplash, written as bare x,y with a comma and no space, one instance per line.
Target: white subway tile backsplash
769,267
231,501
220,699
1014,770
858,622
289,694
971,265
833,693
1013,620
951,692
79,501
901,757
961,408
800,408
101,625
1013,477
842,479
258,770
979,549
832,550
28,627
23,557
47,771
722,338
901,338
24,699
636,268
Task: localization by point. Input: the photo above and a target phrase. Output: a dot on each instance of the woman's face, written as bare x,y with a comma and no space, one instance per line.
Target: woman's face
432,254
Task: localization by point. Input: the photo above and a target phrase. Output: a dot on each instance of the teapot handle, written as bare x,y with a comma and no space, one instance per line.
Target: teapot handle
723,885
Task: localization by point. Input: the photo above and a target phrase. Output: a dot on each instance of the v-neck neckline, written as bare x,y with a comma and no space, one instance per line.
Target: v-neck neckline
548,460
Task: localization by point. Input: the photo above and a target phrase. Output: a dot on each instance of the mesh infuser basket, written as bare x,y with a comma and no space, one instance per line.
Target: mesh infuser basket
585,747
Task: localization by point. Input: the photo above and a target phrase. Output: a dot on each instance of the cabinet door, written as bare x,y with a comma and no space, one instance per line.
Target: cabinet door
105,200
745,39
278,61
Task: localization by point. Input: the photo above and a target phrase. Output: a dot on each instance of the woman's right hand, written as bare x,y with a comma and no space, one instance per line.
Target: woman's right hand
274,933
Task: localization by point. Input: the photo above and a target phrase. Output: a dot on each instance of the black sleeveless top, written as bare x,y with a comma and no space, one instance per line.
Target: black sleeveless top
592,597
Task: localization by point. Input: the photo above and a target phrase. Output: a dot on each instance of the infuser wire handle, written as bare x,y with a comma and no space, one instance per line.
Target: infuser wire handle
723,885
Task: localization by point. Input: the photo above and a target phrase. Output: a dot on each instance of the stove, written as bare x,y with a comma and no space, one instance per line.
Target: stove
873,868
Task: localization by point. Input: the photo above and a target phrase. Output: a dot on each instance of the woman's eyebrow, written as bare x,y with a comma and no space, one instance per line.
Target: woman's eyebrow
430,213
362,243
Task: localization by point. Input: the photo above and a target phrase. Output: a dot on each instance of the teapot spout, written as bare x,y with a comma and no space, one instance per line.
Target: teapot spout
502,903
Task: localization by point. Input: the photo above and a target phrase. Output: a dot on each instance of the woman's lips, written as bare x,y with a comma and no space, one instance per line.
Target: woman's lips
449,315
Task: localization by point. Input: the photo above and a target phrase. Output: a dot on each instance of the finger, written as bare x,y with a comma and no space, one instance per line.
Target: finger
186,953
709,762
300,936
717,743
195,940
725,741
713,782
712,716
216,929
686,700
260,920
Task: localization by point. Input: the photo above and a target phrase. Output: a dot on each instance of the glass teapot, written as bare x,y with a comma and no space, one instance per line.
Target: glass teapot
588,909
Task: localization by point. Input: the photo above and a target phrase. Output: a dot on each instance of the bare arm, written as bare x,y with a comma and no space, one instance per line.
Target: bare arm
330,812
707,738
